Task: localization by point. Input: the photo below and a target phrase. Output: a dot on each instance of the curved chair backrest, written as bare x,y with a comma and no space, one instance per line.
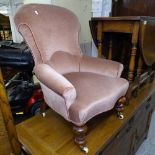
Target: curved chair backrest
48,29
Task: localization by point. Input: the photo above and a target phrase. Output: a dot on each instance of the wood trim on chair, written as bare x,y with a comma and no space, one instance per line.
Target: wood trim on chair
80,134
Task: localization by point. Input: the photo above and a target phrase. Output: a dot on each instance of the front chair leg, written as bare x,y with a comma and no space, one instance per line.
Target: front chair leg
120,107
80,137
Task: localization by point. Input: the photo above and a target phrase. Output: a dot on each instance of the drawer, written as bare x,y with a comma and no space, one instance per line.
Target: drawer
118,146
142,122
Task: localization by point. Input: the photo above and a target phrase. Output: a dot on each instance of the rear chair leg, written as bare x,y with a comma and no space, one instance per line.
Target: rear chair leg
80,137
120,107
43,108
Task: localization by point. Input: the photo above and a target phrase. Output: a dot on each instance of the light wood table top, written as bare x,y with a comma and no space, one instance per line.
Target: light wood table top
52,135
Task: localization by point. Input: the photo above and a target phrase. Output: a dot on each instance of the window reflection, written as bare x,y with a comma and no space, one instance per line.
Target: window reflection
5,28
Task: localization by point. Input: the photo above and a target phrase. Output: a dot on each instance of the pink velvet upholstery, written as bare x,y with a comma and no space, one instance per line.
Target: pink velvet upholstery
95,94
75,86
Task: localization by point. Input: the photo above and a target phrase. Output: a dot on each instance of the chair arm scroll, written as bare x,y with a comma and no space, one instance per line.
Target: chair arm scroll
56,82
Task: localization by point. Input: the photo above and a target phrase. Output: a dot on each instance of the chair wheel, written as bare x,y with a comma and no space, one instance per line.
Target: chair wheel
84,149
120,115
43,114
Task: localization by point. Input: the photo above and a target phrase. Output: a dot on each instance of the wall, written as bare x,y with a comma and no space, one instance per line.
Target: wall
100,8
12,7
37,1
82,8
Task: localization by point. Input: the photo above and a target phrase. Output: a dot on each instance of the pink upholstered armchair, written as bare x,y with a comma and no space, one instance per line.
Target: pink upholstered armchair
75,86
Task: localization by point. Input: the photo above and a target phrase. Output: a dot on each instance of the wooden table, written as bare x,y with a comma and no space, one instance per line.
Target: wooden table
142,30
52,135
107,134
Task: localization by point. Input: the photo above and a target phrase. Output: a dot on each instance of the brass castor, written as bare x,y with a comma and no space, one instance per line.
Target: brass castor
43,114
84,149
120,107
120,115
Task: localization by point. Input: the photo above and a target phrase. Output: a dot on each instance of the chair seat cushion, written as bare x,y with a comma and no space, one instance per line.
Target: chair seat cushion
95,94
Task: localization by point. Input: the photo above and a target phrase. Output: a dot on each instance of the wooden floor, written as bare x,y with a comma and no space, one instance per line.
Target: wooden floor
52,135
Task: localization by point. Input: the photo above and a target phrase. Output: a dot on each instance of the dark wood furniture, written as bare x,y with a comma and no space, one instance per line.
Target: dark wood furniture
9,143
131,136
107,135
142,31
133,8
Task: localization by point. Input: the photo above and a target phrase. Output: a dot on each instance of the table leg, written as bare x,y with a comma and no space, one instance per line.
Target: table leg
110,49
99,39
140,64
132,63
123,52
133,52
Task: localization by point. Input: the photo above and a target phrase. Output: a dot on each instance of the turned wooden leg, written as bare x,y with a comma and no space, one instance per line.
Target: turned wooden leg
80,137
43,108
133,51
132,63
120,107
99,39
136,87
110,50
137,79
128,94
140,64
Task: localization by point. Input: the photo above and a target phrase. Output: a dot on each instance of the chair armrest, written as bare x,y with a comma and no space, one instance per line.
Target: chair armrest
56,82
101,66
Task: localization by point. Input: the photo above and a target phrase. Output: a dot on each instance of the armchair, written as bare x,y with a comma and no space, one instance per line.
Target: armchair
75,86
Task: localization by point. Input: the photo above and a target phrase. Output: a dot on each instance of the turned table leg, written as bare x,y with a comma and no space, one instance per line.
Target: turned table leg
99,39
132,62
133,52
110,49
140,64
80,137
